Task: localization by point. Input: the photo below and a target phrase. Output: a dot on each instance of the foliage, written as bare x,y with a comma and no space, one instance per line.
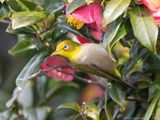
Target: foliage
128,32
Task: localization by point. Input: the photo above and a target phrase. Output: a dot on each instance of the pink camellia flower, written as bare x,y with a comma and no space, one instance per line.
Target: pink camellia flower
61,71
82,40
154,8
91,15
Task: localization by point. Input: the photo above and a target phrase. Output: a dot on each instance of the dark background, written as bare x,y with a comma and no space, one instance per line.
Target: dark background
9,66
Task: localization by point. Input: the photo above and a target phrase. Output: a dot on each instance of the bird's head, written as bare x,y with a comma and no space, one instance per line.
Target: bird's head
66,48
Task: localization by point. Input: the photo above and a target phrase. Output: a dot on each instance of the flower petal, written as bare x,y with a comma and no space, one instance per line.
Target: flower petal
89,14
95,31
59,73
82,40
154,8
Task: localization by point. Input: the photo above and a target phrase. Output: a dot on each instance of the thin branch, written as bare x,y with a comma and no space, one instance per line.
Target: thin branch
5,21
42,72
83,112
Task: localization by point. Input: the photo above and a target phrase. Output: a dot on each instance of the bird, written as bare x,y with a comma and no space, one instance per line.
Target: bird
89,58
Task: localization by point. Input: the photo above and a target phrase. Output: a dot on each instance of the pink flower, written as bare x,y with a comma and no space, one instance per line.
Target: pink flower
91,15
61,70
154,8
82,40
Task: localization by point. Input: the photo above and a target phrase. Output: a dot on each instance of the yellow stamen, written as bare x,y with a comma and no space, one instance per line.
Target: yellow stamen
75,22
90,1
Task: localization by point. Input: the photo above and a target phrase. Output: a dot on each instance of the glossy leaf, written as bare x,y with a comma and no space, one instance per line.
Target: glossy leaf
14,5
157,112
2,1
23,19
154,89
43,112
113,11
25,97
4,10
26,5
151,107
92,111
110,33
116,93
152,64
130,107
30,68
74,5
108,113
24,30
5,115
106,107
53,5
22,47
122,31
73,106
144,27
15,94
23,7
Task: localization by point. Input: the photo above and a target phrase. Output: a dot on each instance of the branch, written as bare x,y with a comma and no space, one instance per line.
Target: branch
5,21
42,72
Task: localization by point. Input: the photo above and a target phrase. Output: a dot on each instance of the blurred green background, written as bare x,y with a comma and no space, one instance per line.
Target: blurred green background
9,66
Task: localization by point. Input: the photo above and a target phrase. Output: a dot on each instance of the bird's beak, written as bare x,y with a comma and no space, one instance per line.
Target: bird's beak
54,53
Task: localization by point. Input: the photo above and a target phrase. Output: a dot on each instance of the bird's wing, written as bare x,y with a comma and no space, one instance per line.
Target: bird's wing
94,59
96,55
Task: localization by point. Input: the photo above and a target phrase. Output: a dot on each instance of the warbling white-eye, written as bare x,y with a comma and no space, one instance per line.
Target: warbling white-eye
90,58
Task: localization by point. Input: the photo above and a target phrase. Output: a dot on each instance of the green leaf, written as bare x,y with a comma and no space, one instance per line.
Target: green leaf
157,112
5,115
151,108
43,112
26,18
12,100
14,5
2,1
92,111
74,5
116,93
108,113
113,11
26,5
53,5
120,34
30,68
110,33
130,108
152,64
25,97
4,10
23,7
22,47
73,106
144,27
24,30
154,89
106,107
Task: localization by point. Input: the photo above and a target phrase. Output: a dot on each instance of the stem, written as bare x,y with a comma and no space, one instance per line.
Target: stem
5,21
83,113
42,72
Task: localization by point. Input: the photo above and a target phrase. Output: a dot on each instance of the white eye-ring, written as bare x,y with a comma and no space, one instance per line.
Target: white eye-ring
65,47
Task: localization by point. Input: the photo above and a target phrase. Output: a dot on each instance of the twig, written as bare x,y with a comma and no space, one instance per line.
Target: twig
42,72
5,21
83,112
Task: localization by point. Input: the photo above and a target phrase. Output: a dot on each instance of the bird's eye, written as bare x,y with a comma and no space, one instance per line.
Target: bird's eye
65,47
